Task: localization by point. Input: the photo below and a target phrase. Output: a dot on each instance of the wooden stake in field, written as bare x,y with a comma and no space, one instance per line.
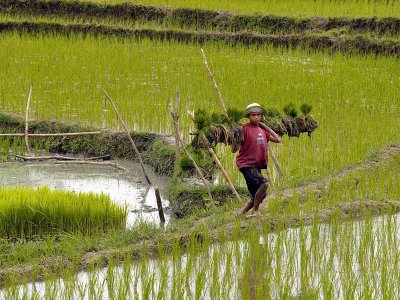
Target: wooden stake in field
27,148
158,198
181,144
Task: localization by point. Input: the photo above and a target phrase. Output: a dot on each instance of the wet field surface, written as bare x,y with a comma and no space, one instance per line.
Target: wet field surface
126,188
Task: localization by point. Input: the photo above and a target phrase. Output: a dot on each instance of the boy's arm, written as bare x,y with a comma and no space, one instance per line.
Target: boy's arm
235,148
239,136
274,137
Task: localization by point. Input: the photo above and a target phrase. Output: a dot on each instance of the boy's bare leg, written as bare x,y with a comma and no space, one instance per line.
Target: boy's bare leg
246,208
260,195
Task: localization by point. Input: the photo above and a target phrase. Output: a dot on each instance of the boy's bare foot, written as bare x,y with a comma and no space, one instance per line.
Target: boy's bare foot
256,214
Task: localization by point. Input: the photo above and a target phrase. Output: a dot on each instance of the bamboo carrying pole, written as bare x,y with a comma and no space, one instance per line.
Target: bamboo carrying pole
221,101
158,198
270,180
27,148
276,163
209,149
278,167
181,144
220,166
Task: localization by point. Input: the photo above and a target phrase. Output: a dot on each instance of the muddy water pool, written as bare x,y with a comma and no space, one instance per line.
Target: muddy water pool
126,188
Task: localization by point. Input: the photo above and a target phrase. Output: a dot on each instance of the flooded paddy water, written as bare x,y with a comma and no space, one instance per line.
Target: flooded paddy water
126,188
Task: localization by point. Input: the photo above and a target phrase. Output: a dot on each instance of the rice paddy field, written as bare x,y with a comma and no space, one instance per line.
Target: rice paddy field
311,244
265,266
143,76
353,8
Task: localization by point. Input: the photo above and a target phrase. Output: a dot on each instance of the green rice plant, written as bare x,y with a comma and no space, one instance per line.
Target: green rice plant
142,84
358,8
29,212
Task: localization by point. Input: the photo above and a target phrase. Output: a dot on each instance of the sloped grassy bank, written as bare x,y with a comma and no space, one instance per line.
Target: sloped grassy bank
332,42
154,147
197,18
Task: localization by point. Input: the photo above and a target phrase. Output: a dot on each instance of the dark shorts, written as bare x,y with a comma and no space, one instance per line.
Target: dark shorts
253,178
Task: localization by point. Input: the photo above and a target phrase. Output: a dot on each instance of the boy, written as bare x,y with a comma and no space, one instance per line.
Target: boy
253,156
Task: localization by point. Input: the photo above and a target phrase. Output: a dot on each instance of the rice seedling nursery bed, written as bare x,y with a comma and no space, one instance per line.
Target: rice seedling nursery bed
345,171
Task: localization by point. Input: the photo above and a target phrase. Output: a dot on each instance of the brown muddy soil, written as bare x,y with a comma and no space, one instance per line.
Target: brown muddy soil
342,211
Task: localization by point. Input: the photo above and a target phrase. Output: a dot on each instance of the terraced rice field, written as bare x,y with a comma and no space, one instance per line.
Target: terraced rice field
345,63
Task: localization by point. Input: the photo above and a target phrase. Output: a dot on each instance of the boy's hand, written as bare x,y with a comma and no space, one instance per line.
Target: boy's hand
275,138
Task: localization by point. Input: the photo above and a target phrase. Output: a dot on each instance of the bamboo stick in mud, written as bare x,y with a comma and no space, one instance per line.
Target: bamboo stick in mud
159,204
182,144
129,136
86,162
175,118
27,148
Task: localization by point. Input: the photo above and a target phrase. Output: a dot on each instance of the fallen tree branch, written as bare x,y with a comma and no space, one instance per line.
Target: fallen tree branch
59,157
98,163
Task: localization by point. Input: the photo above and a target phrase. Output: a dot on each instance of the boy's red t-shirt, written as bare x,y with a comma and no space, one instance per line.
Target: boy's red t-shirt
254,149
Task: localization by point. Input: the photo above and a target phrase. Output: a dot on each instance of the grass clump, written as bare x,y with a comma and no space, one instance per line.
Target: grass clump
25,213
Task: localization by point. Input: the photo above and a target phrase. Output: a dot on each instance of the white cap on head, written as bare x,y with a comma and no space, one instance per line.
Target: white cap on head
255,108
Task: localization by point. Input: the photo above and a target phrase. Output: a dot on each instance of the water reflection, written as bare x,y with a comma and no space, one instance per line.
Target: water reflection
124,188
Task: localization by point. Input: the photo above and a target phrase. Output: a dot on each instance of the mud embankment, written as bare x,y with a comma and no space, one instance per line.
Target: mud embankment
361,35
344,44
156,149
197,18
